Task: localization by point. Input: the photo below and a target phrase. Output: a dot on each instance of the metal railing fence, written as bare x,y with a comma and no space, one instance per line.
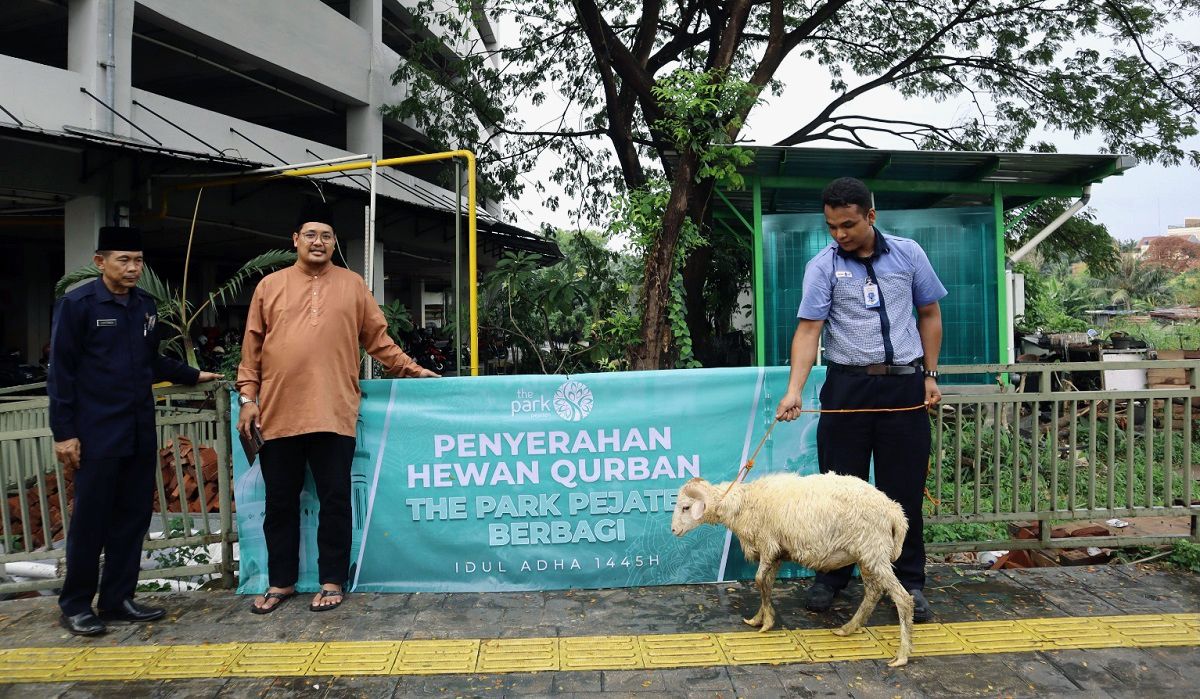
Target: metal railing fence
35,515
999,455
1057,456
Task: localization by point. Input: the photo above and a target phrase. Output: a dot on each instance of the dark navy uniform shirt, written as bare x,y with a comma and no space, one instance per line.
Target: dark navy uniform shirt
104,360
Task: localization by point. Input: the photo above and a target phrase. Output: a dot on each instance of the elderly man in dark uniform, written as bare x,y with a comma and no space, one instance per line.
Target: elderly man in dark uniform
104,359
862,291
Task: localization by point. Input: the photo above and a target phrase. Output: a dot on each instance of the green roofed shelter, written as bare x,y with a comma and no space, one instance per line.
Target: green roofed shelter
952,202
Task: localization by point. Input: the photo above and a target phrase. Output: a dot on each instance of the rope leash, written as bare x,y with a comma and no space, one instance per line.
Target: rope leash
750,462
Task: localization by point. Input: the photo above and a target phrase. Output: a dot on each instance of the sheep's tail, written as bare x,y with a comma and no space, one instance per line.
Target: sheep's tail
899,530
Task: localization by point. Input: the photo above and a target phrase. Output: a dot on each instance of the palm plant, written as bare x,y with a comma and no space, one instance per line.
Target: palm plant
174,310
1137,285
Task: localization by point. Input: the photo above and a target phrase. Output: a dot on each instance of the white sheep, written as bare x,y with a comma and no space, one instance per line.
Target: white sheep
822,522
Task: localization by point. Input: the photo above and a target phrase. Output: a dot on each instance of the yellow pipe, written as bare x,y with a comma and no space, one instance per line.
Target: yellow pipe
472,260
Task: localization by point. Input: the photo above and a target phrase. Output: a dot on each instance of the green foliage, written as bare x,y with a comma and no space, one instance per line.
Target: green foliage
623,91
1185,288
574,315
1055,299
638,217
177,557
398,318
230,361
1164,337
1136,286
699,109
1079,239
1186,555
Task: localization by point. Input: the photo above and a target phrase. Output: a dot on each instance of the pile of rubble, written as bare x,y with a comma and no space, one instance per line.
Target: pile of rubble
198,499
1037,558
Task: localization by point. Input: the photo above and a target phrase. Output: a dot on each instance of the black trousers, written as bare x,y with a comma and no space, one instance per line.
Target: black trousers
899,443
329,456
110,513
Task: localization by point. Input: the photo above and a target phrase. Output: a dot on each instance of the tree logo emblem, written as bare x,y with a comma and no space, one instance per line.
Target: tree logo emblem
573,401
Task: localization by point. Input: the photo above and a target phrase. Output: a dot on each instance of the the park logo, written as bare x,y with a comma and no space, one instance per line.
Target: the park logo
573,401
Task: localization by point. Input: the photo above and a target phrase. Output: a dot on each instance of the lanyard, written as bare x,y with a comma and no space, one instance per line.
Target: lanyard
885,325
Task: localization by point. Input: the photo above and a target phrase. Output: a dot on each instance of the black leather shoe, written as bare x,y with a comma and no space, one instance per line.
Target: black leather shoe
85,624
132,611
820,597
921,611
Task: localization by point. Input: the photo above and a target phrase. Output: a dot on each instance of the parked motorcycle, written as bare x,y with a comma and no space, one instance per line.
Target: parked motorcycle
15,373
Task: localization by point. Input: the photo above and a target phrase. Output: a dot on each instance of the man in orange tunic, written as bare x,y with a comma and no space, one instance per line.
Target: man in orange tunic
298,382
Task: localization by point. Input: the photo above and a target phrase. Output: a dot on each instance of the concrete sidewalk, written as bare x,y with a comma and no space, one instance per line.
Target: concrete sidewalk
956,594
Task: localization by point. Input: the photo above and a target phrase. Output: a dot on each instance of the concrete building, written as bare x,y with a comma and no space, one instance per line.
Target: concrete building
110,108
1189,230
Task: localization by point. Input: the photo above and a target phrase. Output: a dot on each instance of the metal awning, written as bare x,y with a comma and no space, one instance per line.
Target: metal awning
791,178
409,195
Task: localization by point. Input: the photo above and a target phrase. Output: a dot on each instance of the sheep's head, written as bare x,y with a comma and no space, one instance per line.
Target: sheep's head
691,504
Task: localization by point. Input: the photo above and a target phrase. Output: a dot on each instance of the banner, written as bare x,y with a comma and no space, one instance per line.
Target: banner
536,482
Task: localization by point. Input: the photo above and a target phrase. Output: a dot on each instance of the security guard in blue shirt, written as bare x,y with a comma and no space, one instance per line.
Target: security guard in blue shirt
104,359
861,292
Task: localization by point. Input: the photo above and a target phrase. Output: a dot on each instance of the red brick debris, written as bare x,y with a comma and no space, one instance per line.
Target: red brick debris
198,500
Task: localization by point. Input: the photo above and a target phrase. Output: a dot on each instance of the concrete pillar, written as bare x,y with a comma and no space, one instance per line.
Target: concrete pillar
100,49
84,215
364,123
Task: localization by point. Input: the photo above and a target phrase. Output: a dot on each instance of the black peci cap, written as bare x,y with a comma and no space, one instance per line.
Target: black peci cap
119,238
315,212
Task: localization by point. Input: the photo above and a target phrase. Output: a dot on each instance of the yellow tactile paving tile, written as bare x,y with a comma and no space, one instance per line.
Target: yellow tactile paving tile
682,650
467,656
996,636
600,653
36,664
119,663
1156,632
437,657
823,646
354,658
1074,633
518,655
182,662
274,659
928,639
753,648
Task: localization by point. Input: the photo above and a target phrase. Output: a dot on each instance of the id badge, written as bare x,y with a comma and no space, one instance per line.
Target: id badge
871,295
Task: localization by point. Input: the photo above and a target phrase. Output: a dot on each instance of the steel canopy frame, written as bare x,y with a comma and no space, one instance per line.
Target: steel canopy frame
472,232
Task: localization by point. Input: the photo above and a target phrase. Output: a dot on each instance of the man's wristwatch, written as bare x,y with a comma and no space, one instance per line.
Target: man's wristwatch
242,400
931,373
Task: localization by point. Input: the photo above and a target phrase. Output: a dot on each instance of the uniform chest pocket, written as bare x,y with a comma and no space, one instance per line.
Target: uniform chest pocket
849,289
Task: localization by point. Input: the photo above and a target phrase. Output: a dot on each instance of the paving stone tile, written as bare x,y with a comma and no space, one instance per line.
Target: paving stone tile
126,690
27,690
190,689
362,687
248,688
636,681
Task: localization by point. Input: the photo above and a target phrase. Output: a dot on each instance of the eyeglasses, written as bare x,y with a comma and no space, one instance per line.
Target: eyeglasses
310,236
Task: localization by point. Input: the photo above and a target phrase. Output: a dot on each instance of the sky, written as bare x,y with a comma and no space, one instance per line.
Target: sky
1142,202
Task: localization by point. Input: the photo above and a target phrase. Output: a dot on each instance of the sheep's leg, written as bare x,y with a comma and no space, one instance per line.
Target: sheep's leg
904,609
765,579
871,594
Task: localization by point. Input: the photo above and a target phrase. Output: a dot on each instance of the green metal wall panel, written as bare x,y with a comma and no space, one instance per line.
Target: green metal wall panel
961,244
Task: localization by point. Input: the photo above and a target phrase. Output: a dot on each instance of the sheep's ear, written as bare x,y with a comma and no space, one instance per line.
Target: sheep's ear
697,509
694,488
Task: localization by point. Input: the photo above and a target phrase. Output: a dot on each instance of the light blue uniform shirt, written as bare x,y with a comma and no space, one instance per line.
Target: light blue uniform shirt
855,333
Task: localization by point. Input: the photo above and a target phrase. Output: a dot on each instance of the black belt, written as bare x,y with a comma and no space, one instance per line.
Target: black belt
912,367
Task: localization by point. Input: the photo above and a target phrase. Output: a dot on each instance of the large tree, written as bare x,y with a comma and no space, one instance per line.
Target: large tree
653,93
